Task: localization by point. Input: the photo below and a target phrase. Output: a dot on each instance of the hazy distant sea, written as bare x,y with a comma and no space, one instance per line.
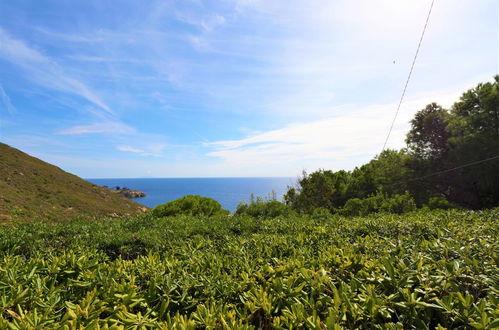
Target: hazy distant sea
227,191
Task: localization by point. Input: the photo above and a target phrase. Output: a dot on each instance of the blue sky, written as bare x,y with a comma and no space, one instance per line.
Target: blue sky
229,88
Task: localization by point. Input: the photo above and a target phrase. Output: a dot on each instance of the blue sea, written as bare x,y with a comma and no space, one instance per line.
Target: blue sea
227,191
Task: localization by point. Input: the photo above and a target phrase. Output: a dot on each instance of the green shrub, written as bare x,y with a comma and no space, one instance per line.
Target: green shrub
263,209
360,207
321,213
440,203
412,271
398,203
189,205
355,207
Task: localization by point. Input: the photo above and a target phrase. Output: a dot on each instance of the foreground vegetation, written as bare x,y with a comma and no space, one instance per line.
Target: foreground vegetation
417,270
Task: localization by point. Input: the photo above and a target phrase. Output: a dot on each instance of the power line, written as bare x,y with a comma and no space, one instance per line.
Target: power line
454,168
348,196
408,77
437,173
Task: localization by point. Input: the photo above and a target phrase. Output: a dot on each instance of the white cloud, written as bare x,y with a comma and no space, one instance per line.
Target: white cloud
130,149
44,71
70,37
152,150
335,138
340,142
206,23
7,104
99,128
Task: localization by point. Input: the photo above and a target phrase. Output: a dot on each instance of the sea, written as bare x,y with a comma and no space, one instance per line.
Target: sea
229,192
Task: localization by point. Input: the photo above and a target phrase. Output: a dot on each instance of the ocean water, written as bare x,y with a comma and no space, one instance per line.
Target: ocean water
227,191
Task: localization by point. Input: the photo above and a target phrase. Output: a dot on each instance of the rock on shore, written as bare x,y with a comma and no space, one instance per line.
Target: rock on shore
129,193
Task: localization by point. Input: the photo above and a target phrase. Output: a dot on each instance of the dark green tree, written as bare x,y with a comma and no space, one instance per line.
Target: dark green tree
322,188
474,131
434,166
387,172
428,138
440,140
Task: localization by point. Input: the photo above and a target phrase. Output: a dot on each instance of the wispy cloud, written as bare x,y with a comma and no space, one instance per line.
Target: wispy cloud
153,150
335,138
205,22
70,37
7,104
44,70
130,149
102,59
109,127
339,141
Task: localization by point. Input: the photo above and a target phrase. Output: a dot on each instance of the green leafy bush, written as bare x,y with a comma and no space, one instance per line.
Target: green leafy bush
261,208
355,207
321,213
440,203
398,203
194,205
417,270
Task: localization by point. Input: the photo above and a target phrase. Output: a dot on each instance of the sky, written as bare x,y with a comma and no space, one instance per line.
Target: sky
191,88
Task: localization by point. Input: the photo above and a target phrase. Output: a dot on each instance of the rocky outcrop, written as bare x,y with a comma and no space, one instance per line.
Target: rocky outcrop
129,193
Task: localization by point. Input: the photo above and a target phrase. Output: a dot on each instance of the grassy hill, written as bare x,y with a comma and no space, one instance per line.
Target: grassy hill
32,188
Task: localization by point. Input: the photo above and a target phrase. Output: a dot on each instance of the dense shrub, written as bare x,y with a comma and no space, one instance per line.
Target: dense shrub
398,203
426,270
264,209
355,207
440,203
321,213
189,205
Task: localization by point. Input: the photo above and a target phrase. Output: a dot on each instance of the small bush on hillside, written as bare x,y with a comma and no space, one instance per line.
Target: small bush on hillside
363,206
355,207
189,205
440,203
321,213
398,203
263,209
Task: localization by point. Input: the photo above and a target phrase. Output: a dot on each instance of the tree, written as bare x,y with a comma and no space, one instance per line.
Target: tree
387,172
439,143
475,136
440,140
477,111
322,188
428,138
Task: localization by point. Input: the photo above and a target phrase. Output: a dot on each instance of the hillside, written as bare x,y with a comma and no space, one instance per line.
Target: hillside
31,188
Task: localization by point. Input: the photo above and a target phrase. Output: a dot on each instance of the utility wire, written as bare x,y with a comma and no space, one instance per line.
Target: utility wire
424,176
408,77
454,168
435,173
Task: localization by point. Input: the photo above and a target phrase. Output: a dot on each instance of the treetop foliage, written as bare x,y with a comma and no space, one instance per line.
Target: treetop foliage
440,140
